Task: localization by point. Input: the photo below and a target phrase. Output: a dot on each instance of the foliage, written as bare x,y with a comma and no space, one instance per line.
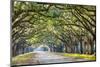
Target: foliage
54,24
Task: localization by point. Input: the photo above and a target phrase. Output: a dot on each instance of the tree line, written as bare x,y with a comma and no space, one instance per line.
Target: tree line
74,26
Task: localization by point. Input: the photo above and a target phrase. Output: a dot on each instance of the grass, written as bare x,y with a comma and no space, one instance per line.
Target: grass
83,56
22,58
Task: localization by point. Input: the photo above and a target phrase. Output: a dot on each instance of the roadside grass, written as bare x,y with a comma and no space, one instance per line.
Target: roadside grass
22,58
83,56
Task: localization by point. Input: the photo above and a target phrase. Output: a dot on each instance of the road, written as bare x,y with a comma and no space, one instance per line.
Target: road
44,57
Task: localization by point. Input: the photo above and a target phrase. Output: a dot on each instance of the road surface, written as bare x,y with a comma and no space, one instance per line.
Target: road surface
43,57
51,57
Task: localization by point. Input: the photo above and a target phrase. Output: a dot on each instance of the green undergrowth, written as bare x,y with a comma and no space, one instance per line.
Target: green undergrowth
22,58
83,56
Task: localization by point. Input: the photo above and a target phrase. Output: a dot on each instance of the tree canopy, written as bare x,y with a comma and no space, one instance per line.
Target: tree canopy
53,23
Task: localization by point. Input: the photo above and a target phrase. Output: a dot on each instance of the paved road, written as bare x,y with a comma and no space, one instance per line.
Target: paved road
49,57
43,57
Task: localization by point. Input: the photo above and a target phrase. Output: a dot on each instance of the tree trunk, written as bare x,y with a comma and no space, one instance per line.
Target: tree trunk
81,47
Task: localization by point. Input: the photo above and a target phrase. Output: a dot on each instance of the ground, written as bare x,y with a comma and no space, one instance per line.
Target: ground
44,57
